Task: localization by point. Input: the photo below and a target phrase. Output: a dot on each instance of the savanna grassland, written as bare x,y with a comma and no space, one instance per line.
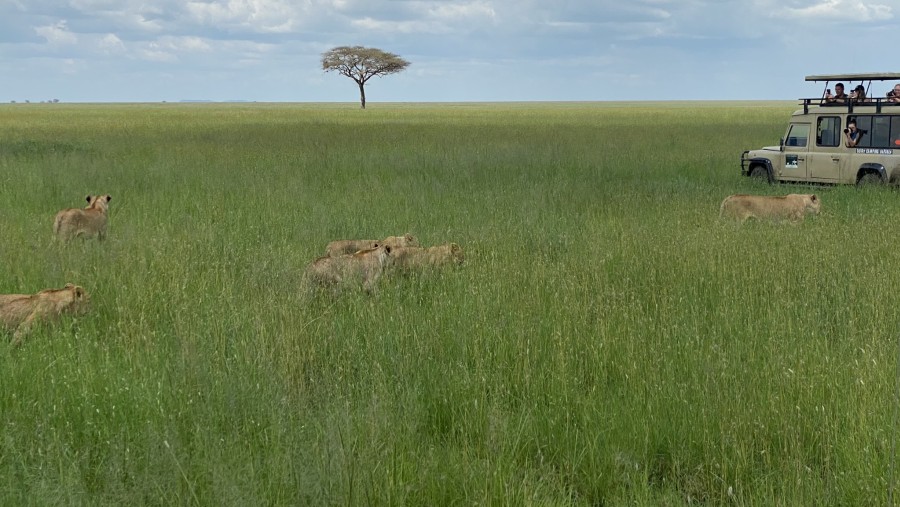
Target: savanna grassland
609,340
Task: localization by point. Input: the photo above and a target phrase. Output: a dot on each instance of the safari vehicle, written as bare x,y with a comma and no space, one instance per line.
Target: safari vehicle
813,149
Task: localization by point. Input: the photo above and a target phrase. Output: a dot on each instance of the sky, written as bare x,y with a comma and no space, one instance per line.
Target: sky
459,50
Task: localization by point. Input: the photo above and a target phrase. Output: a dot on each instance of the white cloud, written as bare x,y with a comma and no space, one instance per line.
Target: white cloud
57,34
164,49
155,52
842,10
404,27
70,66
424,17
110,44
457,11
266,16
95,5
183,44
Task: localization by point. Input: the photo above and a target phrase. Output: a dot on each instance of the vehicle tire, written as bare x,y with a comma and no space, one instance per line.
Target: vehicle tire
869,180
760,174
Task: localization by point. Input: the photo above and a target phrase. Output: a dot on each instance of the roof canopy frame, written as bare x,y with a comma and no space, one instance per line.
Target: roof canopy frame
884,76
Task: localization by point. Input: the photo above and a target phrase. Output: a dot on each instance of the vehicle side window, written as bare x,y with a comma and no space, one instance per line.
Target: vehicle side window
895,131
828,131
798,135
880,131
864,125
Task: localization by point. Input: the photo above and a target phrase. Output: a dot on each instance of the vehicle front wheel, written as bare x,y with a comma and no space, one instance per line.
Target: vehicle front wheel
760,174
869,180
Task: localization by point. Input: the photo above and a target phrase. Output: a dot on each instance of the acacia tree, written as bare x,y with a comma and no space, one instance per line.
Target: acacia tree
361,64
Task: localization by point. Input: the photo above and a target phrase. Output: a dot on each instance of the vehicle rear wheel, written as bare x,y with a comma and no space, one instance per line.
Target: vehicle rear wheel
869,180
760,174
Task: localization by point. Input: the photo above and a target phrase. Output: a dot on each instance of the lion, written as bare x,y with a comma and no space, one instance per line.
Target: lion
362,268
398,241
19,312
413,258
89,222
793,207
349,246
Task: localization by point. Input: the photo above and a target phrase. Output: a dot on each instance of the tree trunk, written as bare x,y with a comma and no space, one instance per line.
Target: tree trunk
362,95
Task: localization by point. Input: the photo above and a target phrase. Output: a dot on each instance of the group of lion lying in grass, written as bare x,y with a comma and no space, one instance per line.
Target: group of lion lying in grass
360,263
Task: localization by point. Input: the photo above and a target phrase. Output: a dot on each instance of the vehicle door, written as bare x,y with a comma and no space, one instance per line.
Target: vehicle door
828,159
796,149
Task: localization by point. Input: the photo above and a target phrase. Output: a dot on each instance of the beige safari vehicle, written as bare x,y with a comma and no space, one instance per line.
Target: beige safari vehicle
814,148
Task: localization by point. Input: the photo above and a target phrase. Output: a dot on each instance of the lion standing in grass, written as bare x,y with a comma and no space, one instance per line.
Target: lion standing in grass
413,258
349,246
397,241
89,222
793,207
361,268
19,312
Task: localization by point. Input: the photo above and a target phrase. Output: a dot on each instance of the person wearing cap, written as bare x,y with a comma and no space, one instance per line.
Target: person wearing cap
858,95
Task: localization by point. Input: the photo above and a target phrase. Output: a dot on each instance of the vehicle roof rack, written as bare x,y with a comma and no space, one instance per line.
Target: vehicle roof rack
848,103
884,76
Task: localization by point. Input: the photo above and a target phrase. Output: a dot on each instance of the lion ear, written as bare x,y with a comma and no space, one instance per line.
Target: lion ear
88,199
387,249
108,197
79,292
814,198
69,285
409,237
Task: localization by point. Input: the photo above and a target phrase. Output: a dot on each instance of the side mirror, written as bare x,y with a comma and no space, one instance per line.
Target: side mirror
781,145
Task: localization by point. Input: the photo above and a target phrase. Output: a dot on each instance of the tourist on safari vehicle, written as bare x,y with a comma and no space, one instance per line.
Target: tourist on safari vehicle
836,139
839,97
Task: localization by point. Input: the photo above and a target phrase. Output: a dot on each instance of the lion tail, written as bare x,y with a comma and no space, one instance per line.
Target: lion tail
722,206
57,223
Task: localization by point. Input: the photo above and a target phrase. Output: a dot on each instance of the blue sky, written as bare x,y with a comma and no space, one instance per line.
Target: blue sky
466,50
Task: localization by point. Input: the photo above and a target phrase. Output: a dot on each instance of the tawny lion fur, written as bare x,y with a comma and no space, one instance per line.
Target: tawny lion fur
89,222
349,246
19,312
412,258
793,207
362,268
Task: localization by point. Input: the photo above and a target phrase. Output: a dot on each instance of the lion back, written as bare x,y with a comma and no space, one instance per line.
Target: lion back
14,308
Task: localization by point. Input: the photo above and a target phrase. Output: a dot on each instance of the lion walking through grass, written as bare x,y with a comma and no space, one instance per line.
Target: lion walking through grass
89,222
792,207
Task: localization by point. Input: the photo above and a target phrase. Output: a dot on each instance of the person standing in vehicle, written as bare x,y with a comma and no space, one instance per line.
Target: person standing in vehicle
839,97
893,96
852,135
858,95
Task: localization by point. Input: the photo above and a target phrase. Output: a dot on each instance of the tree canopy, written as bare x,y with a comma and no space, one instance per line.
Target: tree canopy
361,64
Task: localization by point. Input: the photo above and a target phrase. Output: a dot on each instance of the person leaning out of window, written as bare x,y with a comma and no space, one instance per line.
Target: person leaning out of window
852,135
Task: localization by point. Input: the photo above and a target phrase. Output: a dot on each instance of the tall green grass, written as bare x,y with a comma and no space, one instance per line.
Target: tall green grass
609,340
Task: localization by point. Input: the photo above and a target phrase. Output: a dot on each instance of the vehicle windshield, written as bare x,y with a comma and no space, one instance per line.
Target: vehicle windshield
798,135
